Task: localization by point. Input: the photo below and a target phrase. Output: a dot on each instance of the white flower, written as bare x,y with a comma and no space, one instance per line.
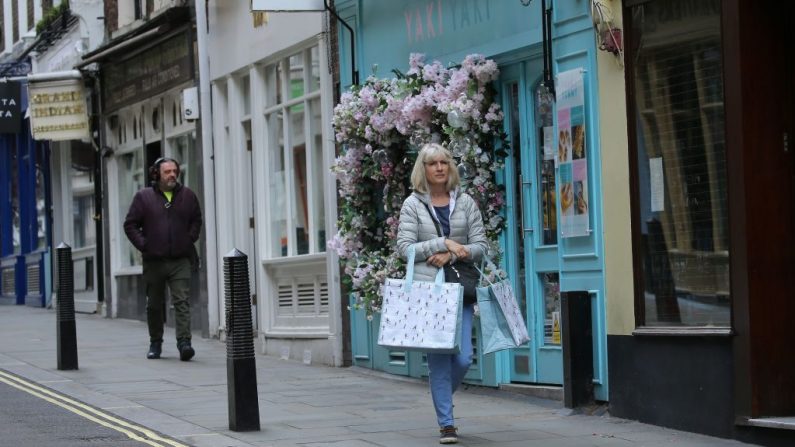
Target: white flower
455,119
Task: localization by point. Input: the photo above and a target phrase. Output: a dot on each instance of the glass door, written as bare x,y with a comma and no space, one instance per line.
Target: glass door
531,242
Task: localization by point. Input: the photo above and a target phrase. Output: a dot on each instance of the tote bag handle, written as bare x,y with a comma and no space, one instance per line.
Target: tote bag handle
437,285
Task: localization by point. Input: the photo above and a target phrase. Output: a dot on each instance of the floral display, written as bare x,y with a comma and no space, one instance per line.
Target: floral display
381,124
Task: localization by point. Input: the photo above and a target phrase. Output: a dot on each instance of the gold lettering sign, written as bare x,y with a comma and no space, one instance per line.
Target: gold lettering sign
58,110
260,18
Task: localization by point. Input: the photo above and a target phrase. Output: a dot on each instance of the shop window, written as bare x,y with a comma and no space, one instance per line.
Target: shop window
550,283
546,168
677,147
155,120
295,156
182,149
245,86
2,26
84,226
31,14
82,219
14,21
140,125
16,216
131,178
314,64
40,191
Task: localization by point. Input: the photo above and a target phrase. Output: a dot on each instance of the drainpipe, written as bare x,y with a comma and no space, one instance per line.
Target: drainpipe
208,156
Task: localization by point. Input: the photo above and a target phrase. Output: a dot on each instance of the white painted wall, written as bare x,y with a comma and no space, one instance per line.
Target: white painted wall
91,28
87,35
127,9
237,48
234,42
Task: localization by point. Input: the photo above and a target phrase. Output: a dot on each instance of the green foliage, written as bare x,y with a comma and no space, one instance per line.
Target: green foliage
51,16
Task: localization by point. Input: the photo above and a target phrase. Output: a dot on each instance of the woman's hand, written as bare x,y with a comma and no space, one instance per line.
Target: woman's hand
439,259
459,250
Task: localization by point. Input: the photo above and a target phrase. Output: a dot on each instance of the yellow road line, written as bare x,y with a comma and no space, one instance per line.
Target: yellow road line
149,437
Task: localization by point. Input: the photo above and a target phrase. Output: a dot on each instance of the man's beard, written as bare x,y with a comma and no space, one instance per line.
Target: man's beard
168,185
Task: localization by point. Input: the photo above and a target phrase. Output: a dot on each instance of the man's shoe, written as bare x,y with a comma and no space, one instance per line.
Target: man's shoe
449,435
186,351
155,348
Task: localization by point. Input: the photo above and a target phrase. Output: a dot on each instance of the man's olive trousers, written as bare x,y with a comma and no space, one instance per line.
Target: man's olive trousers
174,273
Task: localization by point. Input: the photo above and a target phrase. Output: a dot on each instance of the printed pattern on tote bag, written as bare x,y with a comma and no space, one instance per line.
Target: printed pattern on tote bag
513,315
425,317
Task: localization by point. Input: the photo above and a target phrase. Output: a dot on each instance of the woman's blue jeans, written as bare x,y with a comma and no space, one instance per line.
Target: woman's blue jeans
447,371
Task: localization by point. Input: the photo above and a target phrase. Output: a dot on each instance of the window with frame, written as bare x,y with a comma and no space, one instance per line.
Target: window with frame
677,150
30,14
40,242
16,212
15,21
293,128
82,180
131,176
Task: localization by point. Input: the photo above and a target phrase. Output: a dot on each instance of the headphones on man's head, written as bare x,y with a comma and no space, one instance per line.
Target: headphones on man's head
154,171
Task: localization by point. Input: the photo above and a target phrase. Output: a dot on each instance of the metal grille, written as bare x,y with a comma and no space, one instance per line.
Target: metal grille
285,296
303,295
34,279
9,284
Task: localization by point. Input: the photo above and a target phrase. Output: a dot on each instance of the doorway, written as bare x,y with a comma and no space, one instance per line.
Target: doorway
531,242
760,127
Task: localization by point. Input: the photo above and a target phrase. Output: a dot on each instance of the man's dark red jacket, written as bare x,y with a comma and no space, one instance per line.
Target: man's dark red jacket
159,230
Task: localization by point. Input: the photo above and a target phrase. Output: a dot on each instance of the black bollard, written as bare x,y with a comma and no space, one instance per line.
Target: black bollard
65,329
241,368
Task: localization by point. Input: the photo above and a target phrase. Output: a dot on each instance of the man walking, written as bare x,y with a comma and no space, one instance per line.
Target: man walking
163,223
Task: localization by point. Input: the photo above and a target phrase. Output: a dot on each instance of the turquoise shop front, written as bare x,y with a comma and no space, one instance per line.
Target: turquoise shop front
548,246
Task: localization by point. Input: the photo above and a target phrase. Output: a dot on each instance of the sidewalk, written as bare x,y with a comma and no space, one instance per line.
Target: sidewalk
299,405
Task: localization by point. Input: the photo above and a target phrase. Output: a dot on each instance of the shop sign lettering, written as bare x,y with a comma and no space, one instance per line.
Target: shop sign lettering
58,110
428,20
10,120
164,66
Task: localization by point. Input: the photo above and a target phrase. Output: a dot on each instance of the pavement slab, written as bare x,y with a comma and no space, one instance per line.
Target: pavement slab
300,405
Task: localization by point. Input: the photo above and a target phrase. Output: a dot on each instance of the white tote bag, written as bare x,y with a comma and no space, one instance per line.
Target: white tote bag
421,315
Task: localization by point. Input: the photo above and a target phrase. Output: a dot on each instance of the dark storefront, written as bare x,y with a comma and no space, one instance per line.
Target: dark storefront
711,113
25,240
142,75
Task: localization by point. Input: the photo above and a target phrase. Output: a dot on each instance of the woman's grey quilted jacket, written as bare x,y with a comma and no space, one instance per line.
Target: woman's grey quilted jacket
416,225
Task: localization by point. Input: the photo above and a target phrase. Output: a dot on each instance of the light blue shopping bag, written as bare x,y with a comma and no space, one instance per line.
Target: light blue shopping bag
501,322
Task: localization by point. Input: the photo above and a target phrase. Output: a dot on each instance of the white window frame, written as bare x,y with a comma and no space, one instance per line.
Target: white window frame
279,321
289,165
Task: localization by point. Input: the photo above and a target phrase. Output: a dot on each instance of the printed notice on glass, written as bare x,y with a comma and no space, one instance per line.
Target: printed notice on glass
656,184
572,155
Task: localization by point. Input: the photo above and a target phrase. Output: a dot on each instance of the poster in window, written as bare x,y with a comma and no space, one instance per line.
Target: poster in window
572,155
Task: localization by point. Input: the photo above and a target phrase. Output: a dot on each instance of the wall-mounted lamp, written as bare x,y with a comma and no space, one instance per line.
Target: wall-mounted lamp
308,6
608,36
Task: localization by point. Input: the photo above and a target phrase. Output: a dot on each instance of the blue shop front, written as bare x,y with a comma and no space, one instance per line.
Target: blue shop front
24,191
549,245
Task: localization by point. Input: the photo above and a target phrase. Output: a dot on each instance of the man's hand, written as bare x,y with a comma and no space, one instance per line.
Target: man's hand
459,250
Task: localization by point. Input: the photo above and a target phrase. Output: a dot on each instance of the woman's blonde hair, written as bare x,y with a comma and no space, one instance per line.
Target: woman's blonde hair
432,151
